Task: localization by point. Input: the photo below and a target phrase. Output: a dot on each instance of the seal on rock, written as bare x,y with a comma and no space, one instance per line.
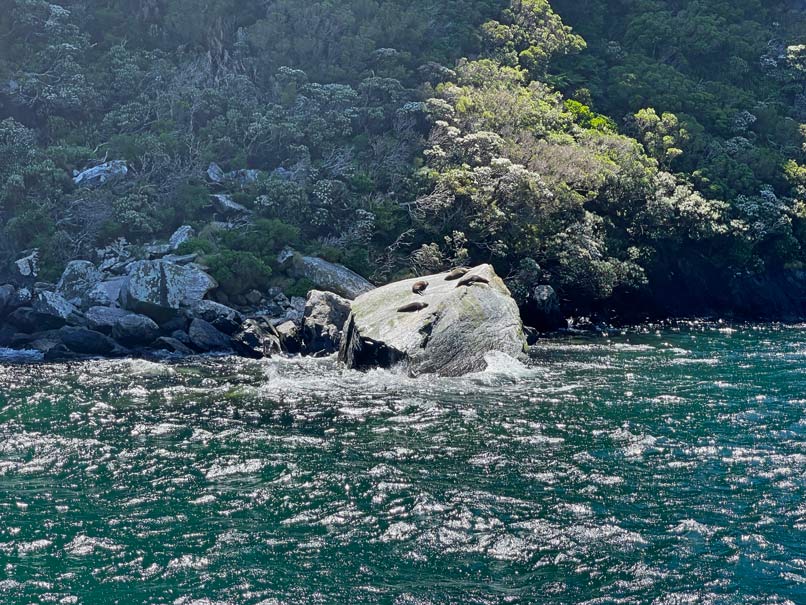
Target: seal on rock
412,307
419,287
472,279
456,273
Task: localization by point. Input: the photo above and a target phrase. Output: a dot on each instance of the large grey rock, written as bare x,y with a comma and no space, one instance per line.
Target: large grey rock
257,338
325,316
542,310
77,281
215,173
101,174
222,317
290,337
452,336
156,288
180,236
134,330
86,341
54,305
104,319
206,338
325,275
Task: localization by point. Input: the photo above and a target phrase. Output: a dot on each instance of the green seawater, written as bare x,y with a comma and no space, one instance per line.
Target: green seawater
658,467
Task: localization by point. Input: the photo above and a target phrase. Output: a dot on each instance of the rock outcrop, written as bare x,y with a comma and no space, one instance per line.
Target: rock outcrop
325,275
451,335
102,173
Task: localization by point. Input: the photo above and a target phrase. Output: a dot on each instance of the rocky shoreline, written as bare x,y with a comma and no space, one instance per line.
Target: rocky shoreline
165,304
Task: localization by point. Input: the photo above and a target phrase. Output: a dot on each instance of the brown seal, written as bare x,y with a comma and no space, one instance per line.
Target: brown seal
411,307
473,279
419,287
456,273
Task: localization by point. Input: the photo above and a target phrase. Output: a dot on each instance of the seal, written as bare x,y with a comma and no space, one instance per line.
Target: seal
456,273
412,307
472,279
419,287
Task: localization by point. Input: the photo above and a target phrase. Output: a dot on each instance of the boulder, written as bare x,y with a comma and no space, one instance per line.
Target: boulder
53,304
79,278
257,338
134,330
206,338
451,336
223,318
107,292
290,337
224,204
542,310
325,316
172,345
325,275
215,173
180,236
22,297
104,319
94,177
52,349
28,267
86,341
158,288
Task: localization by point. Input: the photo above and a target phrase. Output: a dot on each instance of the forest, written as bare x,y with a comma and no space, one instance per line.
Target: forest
647,155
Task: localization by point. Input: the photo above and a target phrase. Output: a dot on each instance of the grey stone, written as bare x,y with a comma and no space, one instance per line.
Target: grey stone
156,288
325,275
206,338
77,281
181,235
290,337
257,338
135,330
172,345
107,292
452,336
29,321
324,317
101,174
223,318
28,266
224,204
86,341
104,319
215,173
53,304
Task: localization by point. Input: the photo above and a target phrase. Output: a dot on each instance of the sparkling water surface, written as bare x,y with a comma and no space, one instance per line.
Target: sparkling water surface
662,467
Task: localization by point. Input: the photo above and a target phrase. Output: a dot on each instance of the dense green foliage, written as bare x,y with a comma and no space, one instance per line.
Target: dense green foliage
664,148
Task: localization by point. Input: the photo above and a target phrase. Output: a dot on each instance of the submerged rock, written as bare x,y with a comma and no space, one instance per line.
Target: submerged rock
449,332
324,318
324,274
